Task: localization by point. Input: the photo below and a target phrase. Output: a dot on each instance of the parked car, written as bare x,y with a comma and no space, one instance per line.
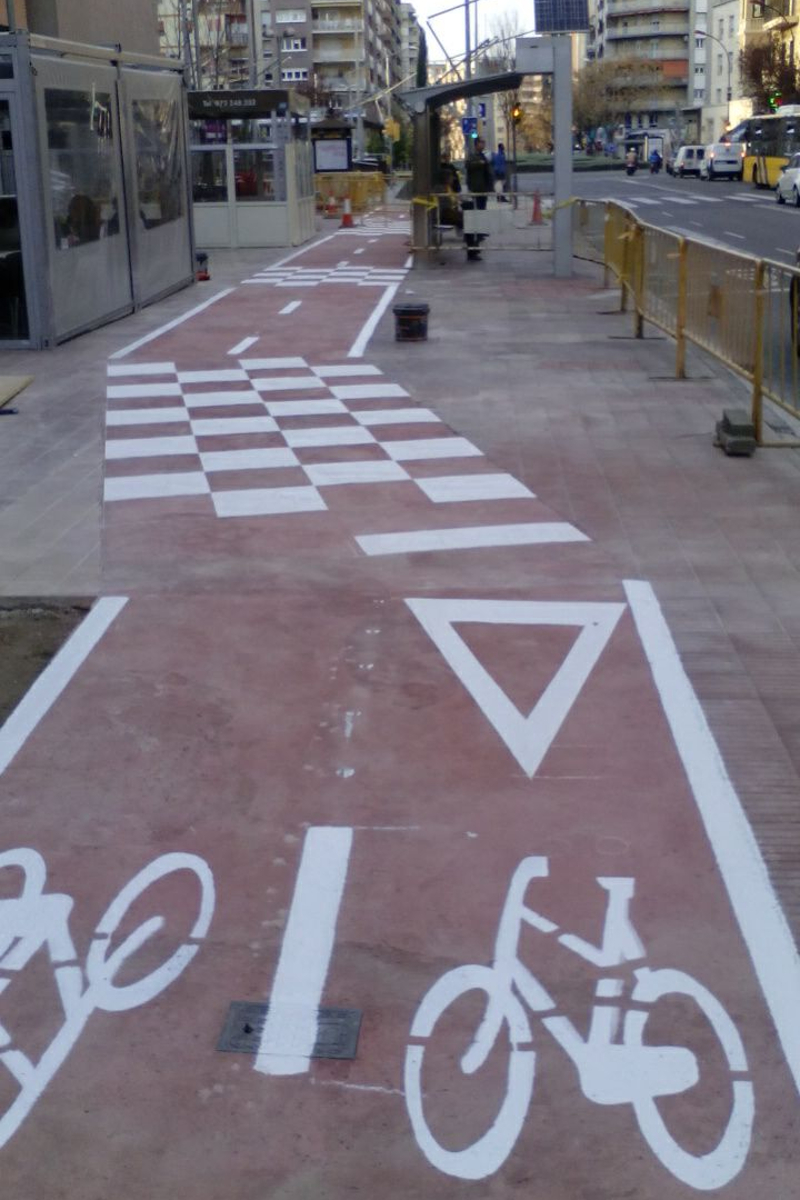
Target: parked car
788,186
722,160
688,160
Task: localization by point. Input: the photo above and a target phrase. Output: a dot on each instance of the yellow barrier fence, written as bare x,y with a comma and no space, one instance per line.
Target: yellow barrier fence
743,310
364,189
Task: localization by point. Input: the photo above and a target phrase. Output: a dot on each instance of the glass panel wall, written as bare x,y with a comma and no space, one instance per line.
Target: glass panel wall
159,161
13,306
82,160
209,176
254,173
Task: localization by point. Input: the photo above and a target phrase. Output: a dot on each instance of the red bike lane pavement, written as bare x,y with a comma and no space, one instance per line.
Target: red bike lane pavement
387,736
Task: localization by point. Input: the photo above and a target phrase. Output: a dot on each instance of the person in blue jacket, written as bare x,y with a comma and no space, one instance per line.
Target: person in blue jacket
500,168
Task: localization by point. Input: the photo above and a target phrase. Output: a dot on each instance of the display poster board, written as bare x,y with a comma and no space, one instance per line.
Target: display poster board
332,154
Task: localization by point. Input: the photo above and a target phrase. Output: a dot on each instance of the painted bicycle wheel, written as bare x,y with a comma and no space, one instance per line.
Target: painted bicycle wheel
486,1155
705,1172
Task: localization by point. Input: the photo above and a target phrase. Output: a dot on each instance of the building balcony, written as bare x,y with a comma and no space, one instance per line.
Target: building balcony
345,25
347,54
618,32
643,8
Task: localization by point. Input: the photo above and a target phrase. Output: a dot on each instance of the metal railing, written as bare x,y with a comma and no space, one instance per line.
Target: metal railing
364,189
510,221
743,310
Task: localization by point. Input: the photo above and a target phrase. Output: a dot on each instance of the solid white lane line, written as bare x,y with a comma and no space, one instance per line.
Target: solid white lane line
362,341
730,233
42,694
290,308
469,537
151,337
290,1028
242,346
763,925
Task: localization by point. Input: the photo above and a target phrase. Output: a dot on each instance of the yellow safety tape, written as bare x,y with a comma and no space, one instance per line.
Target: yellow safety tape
425,202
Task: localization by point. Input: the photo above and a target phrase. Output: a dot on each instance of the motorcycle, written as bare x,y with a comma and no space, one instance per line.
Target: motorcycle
630,168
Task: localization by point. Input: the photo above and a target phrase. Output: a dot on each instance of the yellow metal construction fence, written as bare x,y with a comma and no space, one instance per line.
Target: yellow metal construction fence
743,310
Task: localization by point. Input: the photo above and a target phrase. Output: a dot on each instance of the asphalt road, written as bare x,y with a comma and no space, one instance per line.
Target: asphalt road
724,212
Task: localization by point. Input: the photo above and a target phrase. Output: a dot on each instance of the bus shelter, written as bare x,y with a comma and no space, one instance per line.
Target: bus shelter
95,215
534,56
252,175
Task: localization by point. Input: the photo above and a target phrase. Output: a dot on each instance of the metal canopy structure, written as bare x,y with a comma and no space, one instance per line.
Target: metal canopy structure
445,93
534,56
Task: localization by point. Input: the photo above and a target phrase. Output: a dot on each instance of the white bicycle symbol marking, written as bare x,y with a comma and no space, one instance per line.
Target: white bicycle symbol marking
34,920
610,1072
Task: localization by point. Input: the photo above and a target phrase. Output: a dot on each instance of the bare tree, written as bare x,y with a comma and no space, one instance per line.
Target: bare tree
500,56
605,91
770,76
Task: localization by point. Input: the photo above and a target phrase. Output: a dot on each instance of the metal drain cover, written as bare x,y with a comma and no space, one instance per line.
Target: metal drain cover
337,1030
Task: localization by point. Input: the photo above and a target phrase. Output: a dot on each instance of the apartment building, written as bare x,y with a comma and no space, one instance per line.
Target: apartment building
639,29
409,42
340,50
133,25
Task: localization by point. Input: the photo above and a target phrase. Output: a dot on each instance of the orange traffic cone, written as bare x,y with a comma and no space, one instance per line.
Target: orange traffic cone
331,207
347,215
536,216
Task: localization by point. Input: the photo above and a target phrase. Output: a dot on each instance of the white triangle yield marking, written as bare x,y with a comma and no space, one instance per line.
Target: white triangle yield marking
527,737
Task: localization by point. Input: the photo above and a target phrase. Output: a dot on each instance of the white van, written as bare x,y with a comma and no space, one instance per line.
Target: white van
688,160
723,160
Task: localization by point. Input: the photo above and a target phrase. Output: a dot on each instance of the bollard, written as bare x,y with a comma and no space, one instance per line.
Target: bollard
202,274
331,207
347,214
536,216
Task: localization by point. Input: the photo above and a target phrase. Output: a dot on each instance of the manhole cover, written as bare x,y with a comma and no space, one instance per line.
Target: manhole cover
337,1030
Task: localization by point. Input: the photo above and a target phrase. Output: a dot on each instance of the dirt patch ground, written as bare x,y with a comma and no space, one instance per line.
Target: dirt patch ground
31,631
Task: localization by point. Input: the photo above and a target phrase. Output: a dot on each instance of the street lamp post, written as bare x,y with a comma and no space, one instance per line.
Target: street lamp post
704,33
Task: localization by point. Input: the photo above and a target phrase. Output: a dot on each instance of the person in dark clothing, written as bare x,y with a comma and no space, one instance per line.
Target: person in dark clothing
480,181
450,187
500,168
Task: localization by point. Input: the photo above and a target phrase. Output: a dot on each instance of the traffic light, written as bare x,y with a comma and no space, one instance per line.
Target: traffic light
516,114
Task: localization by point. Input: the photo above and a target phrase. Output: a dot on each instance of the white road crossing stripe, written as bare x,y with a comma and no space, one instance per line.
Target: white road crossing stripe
469,538
222,399
141,391
214,426
147,487
268,502
447,489
159,368
231,376
328,474
290,1029
291,307
422,448
254,459
288,383
272,364
368,391
155,447
397,416
145,416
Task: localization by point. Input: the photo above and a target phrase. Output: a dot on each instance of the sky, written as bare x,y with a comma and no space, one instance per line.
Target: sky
450,28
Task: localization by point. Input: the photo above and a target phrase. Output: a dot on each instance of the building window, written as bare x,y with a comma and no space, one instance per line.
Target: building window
719,95
699,69
721,27
290,16
719,64
655,24
699,93
294,75
699,43
731,26
293,43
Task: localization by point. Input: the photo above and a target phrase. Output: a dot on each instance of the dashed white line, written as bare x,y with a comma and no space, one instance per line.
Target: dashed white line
290,308
242,346
729,233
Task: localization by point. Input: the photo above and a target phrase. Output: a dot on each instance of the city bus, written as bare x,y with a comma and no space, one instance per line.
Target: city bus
769,141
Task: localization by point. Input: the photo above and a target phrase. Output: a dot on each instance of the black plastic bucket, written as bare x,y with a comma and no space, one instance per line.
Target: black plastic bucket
411,322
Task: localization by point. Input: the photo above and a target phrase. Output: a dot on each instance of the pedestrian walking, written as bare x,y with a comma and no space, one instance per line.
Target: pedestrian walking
500,168
480,182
